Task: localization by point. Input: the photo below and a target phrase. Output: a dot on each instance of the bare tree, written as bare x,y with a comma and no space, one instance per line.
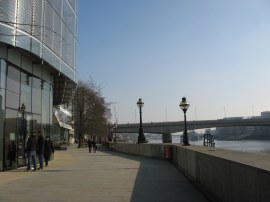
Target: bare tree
90,111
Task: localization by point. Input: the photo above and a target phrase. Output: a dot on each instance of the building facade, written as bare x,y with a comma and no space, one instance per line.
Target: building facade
38,47
245,132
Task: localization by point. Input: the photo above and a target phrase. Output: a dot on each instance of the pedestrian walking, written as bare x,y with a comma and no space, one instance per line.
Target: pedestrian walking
40,150
94,144
31,147
48,150
89,143
12,152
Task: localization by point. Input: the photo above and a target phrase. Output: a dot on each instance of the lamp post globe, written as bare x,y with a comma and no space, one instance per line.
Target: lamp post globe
141,137
23,108
184,105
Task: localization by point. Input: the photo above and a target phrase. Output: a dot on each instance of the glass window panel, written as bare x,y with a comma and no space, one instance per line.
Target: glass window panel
48,24
51,58
46,103
67,71
23,41
68,46
35,46
36,95
24,15
10,139
6,34
13,79
2,114
76,28
52,29
26,83
56,4
36,123
37,19
73,4
3,68
69,16
28,125
12,99
7,13
57,34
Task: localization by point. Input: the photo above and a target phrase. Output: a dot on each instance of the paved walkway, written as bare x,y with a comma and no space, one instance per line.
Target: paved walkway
105,176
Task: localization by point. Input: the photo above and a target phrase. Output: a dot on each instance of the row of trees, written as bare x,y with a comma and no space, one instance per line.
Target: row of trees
90,111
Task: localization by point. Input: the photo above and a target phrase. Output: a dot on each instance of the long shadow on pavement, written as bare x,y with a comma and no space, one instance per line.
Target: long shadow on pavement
159,180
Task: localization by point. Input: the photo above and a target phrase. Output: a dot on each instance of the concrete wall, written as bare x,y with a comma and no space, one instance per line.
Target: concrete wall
223,175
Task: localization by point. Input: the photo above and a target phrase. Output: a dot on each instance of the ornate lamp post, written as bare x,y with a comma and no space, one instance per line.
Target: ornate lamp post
22,137
184,106
110,132
114,128
22,109
141,137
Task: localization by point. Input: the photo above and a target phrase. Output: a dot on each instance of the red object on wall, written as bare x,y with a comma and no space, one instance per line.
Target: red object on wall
168,152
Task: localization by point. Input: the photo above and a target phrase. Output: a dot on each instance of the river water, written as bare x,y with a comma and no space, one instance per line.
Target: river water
259,146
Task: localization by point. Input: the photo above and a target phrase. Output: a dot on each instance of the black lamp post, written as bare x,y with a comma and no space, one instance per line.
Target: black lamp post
114,128
22,109
184,106
141,137
22,137
110,132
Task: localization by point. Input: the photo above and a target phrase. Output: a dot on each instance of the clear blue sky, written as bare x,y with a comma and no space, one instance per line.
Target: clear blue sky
216,53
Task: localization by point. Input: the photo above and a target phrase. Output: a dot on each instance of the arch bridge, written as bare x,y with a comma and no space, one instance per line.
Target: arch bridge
167,128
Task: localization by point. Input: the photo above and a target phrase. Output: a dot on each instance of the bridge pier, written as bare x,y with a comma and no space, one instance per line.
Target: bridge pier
167,138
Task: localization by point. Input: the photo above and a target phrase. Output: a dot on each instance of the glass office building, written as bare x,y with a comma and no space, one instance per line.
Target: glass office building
38,45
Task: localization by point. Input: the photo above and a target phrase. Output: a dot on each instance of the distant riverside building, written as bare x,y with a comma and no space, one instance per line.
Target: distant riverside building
244,132
38,48
265,114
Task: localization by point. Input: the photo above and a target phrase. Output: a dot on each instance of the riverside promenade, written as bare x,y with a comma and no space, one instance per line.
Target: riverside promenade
105,176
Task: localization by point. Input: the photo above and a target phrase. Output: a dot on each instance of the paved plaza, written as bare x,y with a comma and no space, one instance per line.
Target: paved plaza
104,176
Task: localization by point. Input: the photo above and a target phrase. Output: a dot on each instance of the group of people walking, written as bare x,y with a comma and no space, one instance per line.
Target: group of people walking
40,147
92,145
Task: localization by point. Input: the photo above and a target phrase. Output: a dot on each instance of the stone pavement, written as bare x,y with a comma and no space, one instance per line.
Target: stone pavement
105,176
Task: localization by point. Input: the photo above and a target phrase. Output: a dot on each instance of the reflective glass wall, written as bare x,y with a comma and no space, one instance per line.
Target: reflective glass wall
46,31
2,109
45,28
26,107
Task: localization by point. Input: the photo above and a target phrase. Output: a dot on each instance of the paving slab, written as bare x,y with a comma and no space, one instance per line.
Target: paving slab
105,176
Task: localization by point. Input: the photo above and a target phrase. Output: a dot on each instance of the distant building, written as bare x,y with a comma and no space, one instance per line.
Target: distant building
38,45
245,132
265,114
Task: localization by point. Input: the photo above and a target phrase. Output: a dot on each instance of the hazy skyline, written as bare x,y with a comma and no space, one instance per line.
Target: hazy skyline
215,53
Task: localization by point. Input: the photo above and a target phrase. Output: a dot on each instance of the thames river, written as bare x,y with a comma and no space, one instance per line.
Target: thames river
259,146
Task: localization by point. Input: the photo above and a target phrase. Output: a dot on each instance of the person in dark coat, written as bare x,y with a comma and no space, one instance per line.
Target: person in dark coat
48,150
40,150
31,147
94,144
89,143
12,151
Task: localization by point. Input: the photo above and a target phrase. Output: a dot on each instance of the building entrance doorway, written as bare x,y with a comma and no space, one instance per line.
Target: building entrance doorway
18,127
10,140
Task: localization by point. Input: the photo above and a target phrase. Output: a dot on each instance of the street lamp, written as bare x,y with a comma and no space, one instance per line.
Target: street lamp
22,137
141,137
184,106
22,109
114,127
110,132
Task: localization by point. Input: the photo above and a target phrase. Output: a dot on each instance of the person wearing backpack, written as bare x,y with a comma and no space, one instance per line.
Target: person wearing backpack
31,148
